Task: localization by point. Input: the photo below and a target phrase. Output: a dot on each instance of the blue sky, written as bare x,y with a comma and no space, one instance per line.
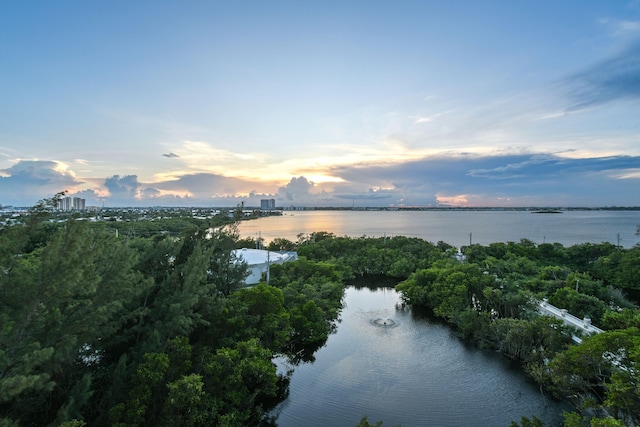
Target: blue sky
359,103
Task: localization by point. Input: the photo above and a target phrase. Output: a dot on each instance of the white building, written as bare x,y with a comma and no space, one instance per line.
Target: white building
259,262
267,204
71,204
78,204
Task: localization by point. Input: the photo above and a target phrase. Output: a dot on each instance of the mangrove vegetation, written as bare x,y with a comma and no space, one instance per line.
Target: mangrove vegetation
152,325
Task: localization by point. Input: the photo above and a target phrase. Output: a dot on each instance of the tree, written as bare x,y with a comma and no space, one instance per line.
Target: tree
281,244
265,315
146,395
241,379
579,304
572,419
623,389
531,341
526,422
309,328
364,422
164,391
225,270
620,268
626,318
447,287
60,303
172,305
185,401
603,367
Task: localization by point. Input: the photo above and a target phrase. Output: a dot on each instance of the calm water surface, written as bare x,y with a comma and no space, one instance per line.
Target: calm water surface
457,227
410,371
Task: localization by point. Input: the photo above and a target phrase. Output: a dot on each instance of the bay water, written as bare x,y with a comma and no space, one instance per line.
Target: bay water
457,228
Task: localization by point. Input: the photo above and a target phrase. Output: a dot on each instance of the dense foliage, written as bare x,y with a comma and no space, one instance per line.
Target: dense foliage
152,326
143,331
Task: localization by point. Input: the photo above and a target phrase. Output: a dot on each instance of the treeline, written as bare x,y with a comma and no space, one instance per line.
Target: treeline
491,297
148,331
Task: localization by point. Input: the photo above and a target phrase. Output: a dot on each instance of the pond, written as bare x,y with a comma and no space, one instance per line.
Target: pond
399,367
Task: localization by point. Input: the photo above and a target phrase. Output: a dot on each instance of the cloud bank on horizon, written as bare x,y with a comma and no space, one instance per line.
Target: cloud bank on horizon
418,103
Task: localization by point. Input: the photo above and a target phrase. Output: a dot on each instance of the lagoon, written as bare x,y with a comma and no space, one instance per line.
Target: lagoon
400,367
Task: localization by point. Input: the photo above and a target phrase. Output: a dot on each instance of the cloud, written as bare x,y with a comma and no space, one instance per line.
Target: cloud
122,189
503,179
298,188
204,156
204,185
520,179
197,189
551,166
171,155
629,25
428,119
631,173
21,181
617,78
511,179
200,189
38,171
384,196
621,28
424,119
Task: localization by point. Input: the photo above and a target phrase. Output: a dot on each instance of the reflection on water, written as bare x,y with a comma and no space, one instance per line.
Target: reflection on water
410,371
457,228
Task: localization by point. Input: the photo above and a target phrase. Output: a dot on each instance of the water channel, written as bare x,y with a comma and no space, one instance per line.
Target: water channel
399,367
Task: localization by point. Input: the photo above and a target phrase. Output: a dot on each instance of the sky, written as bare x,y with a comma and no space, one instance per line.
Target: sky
321,103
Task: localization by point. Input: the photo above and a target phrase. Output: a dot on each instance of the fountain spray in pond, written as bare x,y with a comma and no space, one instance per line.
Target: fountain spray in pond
384,322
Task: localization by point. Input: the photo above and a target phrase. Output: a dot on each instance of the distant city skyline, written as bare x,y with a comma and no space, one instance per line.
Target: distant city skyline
411,103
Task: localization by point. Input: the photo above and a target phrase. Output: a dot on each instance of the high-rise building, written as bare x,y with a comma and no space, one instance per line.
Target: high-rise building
267,204
78,204
71,203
